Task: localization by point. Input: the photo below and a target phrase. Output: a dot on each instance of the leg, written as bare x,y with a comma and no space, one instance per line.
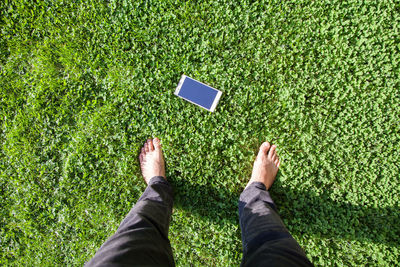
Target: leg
142,237
266,241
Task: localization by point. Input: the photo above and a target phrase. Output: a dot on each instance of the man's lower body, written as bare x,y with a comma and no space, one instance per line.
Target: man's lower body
142,237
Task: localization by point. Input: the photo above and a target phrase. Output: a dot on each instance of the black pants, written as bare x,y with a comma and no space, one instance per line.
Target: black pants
142,237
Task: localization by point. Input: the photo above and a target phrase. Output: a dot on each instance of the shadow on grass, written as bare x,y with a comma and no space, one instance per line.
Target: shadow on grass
303,212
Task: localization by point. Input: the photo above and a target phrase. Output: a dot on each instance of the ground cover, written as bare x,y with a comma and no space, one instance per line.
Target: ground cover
84,83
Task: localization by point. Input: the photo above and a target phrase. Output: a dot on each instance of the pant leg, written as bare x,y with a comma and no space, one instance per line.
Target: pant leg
266,241
142,237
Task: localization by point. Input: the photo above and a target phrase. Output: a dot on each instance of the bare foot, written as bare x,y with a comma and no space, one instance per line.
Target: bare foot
265,166
152,160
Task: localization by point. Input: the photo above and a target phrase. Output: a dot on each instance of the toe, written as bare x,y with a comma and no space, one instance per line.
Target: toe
156,143
264,148
150,144
279,164
276,162
141,158
271,152
146,147
143,150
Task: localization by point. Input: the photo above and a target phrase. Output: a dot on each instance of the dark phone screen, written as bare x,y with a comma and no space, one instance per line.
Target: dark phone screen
198,93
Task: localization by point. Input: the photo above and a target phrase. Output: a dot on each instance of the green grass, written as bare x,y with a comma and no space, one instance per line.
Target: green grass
84,84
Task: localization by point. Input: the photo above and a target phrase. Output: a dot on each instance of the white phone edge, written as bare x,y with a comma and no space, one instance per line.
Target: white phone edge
216,99
178,88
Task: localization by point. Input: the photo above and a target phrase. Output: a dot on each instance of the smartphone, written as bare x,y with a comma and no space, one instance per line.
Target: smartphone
198,93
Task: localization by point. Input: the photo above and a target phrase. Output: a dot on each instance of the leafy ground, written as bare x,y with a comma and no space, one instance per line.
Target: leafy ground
84,84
